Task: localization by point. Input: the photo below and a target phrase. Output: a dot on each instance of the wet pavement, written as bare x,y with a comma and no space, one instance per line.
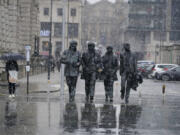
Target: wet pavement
144,116
148,113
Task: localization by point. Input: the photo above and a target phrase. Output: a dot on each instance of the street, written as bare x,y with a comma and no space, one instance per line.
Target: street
148,112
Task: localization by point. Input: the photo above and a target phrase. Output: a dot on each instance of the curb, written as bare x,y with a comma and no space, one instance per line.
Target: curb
43,91
6,84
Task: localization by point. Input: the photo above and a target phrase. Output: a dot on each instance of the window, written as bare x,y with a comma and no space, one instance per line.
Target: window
45,29
73,30
58,29
59,11
73,12
45,45
46,11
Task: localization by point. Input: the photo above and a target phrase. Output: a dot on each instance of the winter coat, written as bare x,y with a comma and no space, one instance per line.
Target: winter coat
10,66
110,66
128,63
91,63
72,60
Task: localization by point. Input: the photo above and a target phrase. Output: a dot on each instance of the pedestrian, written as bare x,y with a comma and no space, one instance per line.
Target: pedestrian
128,71
72,60
58,58
58,63
12,76
52,62
110,67
92,66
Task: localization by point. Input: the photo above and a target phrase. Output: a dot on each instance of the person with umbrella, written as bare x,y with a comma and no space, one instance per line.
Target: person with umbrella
12,69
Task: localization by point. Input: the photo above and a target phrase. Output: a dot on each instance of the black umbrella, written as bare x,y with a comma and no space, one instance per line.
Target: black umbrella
12,56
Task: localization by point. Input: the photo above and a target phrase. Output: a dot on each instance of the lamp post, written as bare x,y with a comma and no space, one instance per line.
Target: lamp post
50,44
28,49
63,46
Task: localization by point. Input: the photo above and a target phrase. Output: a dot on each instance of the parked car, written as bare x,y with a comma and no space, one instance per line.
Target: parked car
172,74
159,68
145,70
145,62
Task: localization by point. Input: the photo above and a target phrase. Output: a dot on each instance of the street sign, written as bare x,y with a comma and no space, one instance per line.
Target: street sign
28,47
27,68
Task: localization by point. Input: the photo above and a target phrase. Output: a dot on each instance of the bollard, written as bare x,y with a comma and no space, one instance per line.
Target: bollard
163,92
163,89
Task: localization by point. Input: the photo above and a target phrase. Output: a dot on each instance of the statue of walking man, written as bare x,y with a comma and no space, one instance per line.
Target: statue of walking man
110,64
91,64
72,60
128,72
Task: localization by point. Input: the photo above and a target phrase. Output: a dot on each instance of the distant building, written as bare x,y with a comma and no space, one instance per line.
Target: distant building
175,20
73,24
146,20
105,23
153,24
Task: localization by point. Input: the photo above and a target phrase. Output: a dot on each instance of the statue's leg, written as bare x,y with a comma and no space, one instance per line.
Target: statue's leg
68,81
106,87
111,82
123,85
87,87
92,85
128,89
73,87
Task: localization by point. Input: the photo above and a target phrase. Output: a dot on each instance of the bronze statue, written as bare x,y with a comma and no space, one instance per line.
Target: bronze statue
72,60
110,67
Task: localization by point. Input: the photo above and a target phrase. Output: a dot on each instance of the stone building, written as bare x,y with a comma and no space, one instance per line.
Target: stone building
171,54
105,23
153,25
19,25
73,24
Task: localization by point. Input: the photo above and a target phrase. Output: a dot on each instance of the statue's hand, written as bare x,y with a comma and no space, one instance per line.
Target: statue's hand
100,70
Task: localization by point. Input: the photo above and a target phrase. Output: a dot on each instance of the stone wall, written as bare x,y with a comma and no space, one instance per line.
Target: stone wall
19,26
171,54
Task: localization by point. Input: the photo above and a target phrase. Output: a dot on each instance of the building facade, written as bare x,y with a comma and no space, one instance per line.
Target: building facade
73,24
104,22
19,25
153,25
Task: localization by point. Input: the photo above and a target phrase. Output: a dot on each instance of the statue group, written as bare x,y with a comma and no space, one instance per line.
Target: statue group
96,67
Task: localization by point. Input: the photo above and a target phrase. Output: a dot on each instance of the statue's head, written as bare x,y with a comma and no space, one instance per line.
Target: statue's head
126,47
73,45
109,49
91,46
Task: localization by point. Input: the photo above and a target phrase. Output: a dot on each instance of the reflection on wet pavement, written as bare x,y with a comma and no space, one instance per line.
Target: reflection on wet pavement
10,113
56,118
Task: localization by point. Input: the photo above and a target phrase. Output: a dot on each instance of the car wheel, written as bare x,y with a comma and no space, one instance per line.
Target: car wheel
165,77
